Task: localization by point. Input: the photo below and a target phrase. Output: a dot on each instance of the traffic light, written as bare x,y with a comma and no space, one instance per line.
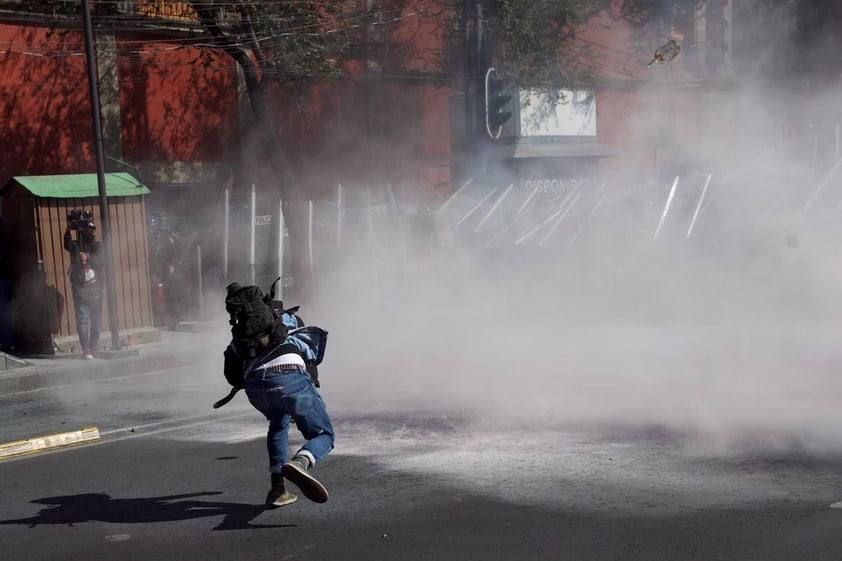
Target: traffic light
496,101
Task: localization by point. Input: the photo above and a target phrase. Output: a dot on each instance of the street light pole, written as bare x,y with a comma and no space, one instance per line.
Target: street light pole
100,177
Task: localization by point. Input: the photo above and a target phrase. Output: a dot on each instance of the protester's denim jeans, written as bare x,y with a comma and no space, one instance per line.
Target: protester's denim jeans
284,395
88,319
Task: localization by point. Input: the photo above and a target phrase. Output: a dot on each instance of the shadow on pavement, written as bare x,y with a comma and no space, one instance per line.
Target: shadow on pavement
99,507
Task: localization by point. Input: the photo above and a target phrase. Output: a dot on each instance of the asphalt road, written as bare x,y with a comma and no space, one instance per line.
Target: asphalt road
172,479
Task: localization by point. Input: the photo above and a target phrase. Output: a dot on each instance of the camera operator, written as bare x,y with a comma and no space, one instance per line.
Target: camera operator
87,269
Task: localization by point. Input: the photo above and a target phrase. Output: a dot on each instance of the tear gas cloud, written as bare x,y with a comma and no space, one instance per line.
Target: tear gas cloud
711,310
727,335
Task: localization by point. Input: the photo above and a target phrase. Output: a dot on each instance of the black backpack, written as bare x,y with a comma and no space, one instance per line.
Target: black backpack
249,316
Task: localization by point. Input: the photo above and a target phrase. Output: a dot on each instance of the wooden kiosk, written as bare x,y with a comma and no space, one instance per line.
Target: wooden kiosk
34,211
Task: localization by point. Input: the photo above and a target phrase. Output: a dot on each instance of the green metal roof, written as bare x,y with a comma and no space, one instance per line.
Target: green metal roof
81,185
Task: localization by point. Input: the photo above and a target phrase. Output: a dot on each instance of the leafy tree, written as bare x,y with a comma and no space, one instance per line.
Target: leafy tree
288,42
534,37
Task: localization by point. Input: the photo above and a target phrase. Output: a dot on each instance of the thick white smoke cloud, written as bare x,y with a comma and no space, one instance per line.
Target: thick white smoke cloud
728,336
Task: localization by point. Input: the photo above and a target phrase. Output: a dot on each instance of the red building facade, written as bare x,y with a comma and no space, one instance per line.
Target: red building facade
176,110
176,115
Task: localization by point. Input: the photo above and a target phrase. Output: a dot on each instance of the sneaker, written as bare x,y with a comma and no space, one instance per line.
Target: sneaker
280,497
295,471
88,354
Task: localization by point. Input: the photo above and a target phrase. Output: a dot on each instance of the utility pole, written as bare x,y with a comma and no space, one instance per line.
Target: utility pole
100,177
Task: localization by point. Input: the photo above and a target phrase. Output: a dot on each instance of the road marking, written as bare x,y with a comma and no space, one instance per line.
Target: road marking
117,537
168,425
836,505
41,443
136,431
152,373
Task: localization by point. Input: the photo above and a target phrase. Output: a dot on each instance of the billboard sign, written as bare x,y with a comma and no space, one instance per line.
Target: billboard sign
557,112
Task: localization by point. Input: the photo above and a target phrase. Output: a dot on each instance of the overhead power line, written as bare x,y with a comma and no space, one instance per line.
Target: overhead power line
341,23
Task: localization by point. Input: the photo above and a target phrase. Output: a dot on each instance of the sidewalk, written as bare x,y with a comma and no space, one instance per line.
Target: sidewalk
175,349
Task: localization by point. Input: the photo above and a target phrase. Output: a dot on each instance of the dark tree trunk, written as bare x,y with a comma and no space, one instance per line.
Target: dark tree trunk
295,209
295,203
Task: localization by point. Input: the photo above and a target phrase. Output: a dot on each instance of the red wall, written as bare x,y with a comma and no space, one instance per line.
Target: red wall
178,103
45,114
641,108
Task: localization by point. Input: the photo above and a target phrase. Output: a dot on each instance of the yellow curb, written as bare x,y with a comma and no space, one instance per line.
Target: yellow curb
41,443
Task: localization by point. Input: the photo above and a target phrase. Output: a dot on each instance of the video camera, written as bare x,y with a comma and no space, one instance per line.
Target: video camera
77,217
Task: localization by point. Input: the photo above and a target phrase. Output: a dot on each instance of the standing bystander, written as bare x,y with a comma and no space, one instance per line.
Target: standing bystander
86,277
